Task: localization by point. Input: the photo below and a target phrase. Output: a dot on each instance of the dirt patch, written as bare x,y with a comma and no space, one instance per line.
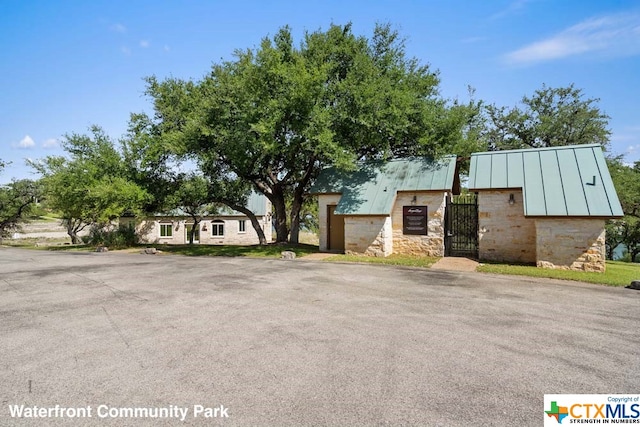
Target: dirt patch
455,264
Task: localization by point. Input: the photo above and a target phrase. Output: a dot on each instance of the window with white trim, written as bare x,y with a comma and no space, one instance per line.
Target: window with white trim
217,228
166,230
242,226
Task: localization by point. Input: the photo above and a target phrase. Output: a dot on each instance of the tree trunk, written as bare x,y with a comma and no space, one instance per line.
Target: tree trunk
282,231
254,221
298,201
296,206
192,233
73,227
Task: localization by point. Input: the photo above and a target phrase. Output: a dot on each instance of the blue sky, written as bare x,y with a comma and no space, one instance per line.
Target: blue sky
69,64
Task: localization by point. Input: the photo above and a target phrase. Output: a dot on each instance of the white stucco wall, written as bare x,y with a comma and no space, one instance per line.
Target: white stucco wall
149,231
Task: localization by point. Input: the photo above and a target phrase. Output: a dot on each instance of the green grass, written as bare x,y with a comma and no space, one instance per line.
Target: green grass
617,273
45,218
394,259
35,242
256,251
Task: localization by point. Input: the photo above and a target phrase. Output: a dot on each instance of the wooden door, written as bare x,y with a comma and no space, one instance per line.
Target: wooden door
335,227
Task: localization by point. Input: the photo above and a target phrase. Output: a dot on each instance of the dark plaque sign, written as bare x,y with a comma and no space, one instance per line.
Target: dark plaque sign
414,220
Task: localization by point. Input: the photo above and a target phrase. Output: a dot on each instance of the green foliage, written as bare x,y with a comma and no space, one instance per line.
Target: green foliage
91,185
627,182
152,152
122,237
17,201
274,116
551,117
192,196
309,218
626,230
393,259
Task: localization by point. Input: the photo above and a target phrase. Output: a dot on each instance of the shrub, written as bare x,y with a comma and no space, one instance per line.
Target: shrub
122,237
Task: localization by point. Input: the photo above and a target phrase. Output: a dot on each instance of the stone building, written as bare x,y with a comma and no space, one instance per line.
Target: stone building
545,206
387,207
225,227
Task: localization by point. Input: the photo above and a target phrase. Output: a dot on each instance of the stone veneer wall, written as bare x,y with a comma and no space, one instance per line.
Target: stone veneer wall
325,200
149,231
368,235
571,243
505,234
433,243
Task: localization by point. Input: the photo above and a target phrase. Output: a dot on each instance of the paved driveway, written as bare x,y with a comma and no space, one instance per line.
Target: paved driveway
271,342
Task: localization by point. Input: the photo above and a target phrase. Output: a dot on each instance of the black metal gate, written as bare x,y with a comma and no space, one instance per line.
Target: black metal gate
461,226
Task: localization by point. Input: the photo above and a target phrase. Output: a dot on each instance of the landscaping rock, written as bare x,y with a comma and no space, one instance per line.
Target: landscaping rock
288,255
149,251
102,249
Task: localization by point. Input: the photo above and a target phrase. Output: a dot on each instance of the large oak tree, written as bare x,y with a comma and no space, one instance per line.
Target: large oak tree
274,116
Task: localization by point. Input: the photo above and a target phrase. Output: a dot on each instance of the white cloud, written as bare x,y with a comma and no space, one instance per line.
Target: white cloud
167,48
26,142
612,35
50,143
125,50
631,154
144,43
118,28
624,137
627,134
513,7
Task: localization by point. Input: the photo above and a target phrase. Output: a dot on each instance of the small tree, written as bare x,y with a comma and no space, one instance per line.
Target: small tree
16,202
90,186
626,230
153,164
192,197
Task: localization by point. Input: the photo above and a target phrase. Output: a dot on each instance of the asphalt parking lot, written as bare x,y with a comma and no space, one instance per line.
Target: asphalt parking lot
273,342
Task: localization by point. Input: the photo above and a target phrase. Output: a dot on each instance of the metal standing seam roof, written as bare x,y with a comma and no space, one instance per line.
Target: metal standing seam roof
371,190
256,203
557,181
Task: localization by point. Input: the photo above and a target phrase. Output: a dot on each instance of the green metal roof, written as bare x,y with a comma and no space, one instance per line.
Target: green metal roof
256,203
557,181
371,190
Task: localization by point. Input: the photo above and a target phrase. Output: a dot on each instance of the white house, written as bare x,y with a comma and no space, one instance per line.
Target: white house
226,227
